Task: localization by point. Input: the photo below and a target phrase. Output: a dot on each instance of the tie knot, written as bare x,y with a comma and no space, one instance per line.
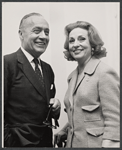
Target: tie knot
36,61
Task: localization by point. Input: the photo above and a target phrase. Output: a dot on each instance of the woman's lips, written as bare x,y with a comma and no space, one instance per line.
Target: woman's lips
78,51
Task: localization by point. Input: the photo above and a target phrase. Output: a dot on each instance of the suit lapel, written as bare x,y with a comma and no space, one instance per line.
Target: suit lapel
89,69
72,82
79,80
29,72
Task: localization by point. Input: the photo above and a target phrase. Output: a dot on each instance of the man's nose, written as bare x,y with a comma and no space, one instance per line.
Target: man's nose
42,35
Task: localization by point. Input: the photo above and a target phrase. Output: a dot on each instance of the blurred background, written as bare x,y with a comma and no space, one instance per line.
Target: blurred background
105,16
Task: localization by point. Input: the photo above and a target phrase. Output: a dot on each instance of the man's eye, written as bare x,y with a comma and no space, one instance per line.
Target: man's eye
46,32
71,41
36,31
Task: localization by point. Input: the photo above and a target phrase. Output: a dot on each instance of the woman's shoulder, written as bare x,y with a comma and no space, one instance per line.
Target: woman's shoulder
104,69
74,72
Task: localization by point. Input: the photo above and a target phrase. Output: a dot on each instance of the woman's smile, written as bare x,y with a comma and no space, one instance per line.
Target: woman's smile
77,51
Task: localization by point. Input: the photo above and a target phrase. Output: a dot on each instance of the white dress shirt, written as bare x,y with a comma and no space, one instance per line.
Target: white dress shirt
30,59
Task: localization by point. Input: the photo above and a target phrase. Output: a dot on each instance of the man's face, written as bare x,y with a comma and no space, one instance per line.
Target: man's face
35,35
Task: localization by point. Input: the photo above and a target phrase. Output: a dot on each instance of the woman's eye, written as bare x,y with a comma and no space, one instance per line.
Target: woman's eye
81,38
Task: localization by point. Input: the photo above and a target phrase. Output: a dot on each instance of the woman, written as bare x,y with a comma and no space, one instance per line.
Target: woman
92,98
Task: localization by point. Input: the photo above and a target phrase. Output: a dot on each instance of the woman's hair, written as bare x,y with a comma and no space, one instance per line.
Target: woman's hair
94,38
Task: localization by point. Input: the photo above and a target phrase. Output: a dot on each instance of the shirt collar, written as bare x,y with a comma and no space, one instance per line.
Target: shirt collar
28,55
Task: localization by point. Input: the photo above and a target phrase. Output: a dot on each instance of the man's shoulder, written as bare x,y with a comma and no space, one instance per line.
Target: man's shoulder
10,57
45,64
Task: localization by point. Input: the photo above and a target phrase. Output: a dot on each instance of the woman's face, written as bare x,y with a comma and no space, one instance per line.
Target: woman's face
79,45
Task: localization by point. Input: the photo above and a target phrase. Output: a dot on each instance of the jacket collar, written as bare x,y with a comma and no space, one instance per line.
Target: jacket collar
91,66
89,69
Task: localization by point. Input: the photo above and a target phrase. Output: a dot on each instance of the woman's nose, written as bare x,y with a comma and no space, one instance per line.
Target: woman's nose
76,44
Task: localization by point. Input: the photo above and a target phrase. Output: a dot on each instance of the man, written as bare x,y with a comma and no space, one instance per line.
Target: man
29,88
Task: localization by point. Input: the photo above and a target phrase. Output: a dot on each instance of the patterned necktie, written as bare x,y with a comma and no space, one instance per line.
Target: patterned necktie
38,72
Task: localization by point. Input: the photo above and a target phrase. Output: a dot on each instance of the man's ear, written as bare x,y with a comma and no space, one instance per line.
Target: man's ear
20,34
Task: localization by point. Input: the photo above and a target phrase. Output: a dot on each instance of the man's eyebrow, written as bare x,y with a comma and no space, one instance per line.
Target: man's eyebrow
41,28
37,28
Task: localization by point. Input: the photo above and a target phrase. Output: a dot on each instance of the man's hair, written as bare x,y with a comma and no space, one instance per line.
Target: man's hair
27,16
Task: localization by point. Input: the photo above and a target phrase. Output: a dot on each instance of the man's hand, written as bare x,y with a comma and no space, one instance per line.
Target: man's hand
60,139
55,108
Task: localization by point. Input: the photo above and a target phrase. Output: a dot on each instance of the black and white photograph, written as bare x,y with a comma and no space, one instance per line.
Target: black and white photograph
61,74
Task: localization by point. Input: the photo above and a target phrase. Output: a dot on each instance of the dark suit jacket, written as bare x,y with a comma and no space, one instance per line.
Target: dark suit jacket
25,101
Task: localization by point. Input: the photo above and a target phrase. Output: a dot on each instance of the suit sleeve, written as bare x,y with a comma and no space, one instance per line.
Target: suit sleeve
6,91
110,100
9,77
6,85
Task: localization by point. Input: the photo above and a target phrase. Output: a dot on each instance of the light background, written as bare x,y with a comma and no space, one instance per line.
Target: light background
104,16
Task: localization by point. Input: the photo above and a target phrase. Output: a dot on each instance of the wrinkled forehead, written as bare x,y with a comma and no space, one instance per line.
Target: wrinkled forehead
34,21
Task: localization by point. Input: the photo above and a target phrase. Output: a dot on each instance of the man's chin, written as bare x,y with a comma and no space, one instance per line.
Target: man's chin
40,50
